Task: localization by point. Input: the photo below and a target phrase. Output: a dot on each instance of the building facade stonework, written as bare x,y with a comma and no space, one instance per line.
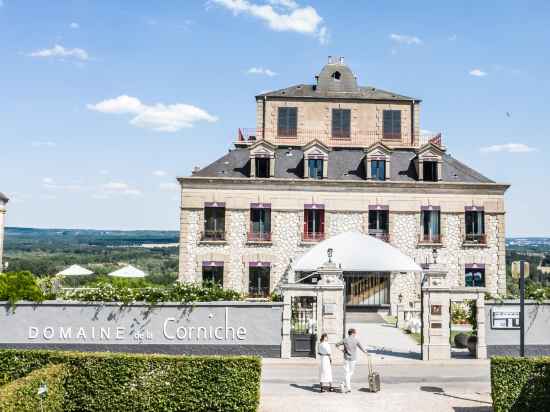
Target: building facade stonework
339,158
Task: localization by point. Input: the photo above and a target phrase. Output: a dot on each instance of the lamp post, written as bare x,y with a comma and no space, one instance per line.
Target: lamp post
520,269
329,254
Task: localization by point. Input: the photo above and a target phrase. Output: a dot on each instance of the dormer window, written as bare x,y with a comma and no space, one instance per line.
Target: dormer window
429,163
262,167
430,171
316,160
315,168
378,169
262,160
377,163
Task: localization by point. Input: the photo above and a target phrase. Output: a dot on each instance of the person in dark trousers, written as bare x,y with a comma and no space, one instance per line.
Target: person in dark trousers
349,345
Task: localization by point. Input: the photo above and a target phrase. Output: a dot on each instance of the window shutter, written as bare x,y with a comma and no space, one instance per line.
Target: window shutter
322,219
346,119
397,121
305,221
292,118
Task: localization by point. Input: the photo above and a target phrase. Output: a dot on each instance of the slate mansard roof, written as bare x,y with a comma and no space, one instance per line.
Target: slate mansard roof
344,86
309,91
345,164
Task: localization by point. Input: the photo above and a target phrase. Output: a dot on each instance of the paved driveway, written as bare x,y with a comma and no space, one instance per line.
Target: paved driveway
407,386
385,341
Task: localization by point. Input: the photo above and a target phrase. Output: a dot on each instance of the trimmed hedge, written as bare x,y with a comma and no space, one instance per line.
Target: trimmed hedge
21,395
135,382
520,384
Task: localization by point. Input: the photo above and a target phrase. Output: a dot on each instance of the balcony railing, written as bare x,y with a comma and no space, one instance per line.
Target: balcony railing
259,236
313,236
213,235
430,239
258,292
475,239
355,138
385,236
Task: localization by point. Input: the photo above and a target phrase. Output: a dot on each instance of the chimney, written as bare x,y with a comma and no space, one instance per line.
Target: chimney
341,60
329,59
196,169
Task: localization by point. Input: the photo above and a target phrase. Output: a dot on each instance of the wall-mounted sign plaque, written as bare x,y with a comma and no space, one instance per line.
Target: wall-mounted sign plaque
436,310
505,317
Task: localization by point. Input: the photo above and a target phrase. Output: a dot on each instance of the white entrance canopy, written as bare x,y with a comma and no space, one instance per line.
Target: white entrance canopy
75,270
128,272
356,252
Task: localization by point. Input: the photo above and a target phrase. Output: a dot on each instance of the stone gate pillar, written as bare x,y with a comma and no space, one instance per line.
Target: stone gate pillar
331,319
436,316
329,294
481,346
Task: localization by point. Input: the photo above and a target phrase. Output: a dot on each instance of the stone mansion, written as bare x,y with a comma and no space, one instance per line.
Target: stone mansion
331,157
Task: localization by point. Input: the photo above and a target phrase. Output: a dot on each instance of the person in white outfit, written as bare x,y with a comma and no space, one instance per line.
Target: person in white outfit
349,345
325,367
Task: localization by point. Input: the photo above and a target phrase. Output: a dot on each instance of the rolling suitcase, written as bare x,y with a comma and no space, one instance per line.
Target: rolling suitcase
374,378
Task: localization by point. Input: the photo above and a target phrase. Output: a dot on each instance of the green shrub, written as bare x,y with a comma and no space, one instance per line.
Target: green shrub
16,286
132,382
520,384
178,292
21,395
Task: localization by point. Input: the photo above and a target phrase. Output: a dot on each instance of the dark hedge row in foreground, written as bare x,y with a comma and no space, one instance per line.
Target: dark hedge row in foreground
520,384
132,382
22,395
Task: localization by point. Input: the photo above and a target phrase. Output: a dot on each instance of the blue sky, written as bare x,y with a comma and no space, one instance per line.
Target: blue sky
76,154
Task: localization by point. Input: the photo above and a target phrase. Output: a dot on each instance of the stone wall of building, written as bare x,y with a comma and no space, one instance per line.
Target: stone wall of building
314,119
286,246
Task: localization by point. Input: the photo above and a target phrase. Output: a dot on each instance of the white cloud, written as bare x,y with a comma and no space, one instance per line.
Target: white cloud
262,71
405,39
509,148
280,15
1,3
159,173
74,25
477,73
159,117
47,143
60,51
289,4
50,184
324,35
169,186
117,187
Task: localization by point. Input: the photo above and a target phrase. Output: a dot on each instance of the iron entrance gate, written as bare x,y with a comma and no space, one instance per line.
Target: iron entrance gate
303,326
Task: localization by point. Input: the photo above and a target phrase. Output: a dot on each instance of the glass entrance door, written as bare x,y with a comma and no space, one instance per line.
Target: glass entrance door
367,289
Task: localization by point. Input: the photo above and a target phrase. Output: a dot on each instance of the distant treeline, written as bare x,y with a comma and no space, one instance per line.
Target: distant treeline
48,251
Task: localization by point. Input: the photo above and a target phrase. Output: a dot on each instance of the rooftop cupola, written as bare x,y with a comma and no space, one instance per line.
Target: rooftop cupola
336,77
